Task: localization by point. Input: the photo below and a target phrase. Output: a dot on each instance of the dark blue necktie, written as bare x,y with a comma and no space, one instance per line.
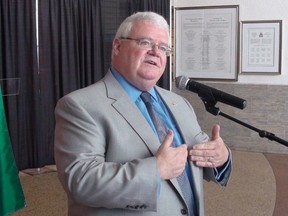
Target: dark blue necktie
162,131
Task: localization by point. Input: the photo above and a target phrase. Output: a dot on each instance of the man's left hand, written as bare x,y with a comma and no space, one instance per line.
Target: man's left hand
213,153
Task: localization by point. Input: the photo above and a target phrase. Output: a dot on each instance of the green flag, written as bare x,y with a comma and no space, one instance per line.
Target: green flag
11,192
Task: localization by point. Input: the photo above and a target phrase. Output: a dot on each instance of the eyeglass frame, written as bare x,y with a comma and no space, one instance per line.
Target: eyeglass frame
151,45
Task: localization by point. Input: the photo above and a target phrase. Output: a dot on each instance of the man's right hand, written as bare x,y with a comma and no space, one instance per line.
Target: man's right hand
171,160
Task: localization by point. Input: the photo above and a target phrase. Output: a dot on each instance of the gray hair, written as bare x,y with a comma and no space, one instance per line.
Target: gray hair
147,16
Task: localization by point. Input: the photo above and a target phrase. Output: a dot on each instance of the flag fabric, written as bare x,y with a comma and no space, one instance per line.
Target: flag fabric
11,193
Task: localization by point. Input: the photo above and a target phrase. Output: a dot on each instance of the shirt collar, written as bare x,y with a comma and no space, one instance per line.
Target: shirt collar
131,90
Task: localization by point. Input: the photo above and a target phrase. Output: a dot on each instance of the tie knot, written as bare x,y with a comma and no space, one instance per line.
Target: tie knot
146,97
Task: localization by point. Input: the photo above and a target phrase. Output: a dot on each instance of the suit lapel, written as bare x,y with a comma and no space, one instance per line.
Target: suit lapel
131,113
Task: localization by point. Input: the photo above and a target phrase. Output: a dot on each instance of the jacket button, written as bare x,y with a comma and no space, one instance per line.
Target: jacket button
183,211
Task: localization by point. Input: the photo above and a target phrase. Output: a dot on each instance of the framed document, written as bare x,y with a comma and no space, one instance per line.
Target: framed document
261,47
206,42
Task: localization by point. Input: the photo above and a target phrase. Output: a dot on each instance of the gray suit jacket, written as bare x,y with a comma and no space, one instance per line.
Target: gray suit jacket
104,152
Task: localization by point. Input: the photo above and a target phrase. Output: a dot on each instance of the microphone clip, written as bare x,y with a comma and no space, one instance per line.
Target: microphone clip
209,101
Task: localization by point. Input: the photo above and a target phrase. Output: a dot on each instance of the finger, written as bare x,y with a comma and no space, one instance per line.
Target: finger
205,164
215,132
205,161
203,146
202,153
168,139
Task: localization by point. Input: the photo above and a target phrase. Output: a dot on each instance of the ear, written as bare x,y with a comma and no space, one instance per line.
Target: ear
116,46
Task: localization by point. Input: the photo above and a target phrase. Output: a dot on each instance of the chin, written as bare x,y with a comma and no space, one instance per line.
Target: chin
152,74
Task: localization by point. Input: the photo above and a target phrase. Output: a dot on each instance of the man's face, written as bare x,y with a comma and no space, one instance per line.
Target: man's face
142,67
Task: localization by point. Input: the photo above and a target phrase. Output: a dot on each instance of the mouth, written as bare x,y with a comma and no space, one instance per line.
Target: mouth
151,62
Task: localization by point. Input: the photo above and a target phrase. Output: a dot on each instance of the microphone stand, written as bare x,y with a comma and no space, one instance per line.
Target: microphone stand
209,102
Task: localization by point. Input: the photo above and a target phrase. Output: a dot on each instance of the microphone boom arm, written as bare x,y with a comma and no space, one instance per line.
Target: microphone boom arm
210,102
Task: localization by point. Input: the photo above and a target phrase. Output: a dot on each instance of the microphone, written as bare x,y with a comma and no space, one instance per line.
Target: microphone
183,82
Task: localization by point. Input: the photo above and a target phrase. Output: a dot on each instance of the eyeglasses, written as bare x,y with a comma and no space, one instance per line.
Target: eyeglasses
147,43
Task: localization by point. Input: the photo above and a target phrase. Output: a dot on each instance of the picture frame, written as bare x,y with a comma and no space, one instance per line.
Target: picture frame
205,42
261,47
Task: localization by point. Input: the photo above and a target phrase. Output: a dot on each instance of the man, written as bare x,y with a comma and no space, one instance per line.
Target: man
109,157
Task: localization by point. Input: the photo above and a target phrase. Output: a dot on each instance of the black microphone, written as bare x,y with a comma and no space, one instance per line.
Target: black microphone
183,82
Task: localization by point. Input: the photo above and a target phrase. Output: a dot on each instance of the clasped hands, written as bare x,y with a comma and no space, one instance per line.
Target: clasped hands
171,161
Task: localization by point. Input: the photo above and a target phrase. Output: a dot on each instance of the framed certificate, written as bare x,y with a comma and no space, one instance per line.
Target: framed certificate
261,47
206,42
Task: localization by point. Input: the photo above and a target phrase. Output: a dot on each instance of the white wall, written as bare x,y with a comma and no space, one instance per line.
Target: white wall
254,10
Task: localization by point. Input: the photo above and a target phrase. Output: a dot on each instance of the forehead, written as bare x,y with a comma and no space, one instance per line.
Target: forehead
149,30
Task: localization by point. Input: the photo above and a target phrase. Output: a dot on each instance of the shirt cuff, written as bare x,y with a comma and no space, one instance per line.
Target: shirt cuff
218,172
